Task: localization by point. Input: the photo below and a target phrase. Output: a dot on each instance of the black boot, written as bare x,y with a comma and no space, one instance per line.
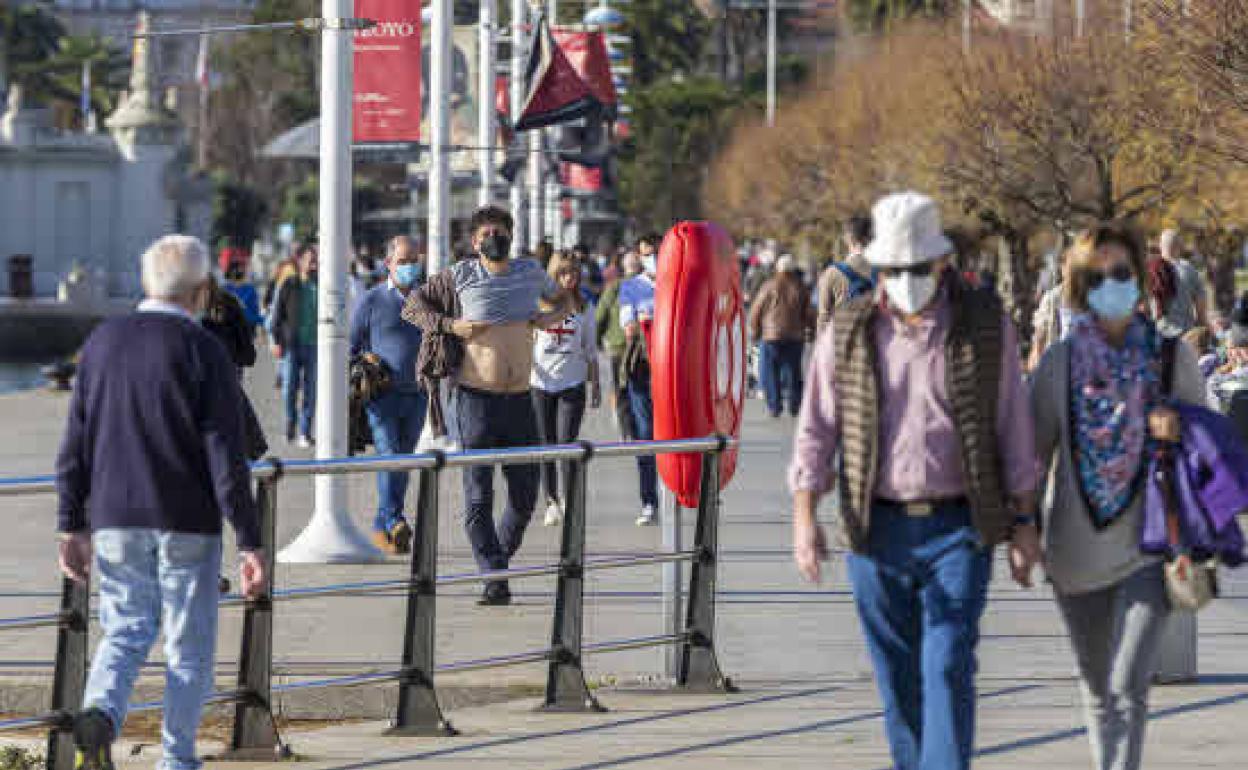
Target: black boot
94,736
496,594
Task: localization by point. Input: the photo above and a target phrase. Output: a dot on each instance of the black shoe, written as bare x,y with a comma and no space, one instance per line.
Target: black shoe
401,537
290,433
496,594
93,737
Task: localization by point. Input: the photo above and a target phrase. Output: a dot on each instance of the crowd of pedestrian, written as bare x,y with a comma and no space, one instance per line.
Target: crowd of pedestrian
914,402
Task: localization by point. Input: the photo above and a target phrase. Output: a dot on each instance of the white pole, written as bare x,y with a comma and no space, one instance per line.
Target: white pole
1128,11
331,536
1081,14
485,103
440,130
519,215
771,62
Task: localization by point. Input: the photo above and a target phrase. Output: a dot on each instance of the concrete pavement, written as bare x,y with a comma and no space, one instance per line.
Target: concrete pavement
806,701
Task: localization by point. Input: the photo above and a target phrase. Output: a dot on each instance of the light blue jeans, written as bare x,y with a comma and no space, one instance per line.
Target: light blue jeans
151,579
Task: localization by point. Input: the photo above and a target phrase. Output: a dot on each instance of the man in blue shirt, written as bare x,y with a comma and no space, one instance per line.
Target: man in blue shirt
398,415
151,462
636,316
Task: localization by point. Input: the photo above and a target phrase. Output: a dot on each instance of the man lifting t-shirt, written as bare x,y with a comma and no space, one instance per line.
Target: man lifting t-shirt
497,300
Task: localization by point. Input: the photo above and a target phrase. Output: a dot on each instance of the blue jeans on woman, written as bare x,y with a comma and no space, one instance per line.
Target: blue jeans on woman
920,590
299,373
643,429
780,368
396,419
152,580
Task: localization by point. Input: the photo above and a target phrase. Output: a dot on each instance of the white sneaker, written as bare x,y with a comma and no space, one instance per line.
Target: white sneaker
554,514
304,442
648,518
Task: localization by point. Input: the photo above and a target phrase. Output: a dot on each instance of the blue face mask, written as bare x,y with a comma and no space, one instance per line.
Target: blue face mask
408,274
1114,300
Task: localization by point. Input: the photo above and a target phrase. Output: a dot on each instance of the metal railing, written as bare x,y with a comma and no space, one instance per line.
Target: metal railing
254,734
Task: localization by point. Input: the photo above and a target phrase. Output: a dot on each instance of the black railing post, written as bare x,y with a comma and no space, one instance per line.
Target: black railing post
697,668
70,677
418,712
565,679
255,734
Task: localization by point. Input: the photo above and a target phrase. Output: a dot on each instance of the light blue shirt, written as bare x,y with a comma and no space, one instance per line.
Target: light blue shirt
636,299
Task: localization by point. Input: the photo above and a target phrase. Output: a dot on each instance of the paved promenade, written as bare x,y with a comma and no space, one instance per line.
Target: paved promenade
806,697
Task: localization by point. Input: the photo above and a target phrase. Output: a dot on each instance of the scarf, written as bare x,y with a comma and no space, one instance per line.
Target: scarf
1112,390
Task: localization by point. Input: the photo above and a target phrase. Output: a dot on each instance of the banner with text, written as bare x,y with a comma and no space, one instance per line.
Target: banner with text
387,61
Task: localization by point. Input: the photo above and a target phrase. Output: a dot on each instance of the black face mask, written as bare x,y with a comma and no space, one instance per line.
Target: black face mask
496,248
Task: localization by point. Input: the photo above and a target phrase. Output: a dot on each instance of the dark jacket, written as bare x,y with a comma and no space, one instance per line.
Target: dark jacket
434,307
155,435
228,322
781,311
287,312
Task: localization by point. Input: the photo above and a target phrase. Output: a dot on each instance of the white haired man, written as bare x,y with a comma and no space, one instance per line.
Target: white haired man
152,461
1188,308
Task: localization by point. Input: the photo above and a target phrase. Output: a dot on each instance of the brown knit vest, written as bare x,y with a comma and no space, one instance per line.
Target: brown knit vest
973,372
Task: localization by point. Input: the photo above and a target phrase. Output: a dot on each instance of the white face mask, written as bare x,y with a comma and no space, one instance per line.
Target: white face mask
910,293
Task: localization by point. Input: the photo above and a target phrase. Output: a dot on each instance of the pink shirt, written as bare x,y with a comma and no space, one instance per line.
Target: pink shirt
920,456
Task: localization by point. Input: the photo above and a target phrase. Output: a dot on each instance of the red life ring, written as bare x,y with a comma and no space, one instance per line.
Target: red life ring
697,351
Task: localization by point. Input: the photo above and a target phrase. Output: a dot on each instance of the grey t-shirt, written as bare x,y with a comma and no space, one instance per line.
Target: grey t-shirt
508,297
1180,316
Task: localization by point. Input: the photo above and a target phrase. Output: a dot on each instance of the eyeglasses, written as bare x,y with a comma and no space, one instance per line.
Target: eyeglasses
918,271
1119,272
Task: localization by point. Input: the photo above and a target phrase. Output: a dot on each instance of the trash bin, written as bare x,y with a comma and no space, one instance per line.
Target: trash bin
21,276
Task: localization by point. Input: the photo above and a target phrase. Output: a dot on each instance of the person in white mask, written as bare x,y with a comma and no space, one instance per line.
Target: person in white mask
917,389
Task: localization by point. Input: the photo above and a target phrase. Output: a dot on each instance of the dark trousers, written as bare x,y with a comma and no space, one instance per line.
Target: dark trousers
559,416
497,421
920,590
780,365
643,424
396,419
623,409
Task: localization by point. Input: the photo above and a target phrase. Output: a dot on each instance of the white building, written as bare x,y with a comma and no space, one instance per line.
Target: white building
96,199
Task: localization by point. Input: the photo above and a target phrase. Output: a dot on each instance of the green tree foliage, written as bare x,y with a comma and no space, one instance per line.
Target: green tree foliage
41,57
300,206
678,128
667,38
238,213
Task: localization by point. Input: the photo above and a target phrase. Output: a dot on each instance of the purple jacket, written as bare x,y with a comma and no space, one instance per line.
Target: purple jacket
1210,483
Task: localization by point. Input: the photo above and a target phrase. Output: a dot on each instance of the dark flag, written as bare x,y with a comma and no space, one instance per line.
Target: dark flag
555,93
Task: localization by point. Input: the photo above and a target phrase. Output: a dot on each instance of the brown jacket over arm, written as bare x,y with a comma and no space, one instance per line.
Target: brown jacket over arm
434,307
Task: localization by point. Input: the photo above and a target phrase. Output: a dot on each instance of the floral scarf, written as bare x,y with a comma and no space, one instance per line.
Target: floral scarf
1112,390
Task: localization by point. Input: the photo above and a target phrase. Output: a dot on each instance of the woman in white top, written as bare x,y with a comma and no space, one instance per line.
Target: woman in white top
565,358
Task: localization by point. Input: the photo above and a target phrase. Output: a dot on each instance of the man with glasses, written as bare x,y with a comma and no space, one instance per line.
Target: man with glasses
918,389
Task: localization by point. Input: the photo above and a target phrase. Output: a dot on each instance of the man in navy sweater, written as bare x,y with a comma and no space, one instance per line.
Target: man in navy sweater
397,416
152,460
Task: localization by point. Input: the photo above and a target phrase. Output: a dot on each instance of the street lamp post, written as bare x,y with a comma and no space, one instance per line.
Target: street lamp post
485,104
331,536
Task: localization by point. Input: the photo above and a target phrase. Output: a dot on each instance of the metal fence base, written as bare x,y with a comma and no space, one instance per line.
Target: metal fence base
70,679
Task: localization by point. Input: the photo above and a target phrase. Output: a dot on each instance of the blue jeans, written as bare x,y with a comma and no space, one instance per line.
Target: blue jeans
920,590
497,421
299,373
396,419
780,367
643,430
148,580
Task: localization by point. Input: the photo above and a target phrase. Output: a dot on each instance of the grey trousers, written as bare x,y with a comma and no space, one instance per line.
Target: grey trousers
1115,633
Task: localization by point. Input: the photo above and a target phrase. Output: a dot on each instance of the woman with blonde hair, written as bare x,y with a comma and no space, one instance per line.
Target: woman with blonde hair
1100,398
565,361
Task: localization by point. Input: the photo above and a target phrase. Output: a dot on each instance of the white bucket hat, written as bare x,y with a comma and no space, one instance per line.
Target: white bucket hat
907,231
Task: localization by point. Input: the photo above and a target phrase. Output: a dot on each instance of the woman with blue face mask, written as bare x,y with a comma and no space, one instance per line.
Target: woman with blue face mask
1099,403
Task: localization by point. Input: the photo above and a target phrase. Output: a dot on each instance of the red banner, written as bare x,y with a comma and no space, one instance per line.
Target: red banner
386,104
582,178
587,53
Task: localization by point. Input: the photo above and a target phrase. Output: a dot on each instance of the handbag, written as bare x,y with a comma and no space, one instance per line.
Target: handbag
1191,582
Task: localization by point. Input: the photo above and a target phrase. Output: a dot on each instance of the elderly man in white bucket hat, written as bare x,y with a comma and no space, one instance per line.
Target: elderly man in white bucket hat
915,410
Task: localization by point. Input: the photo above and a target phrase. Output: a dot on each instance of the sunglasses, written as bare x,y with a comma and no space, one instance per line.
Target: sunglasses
1119,272
919,271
